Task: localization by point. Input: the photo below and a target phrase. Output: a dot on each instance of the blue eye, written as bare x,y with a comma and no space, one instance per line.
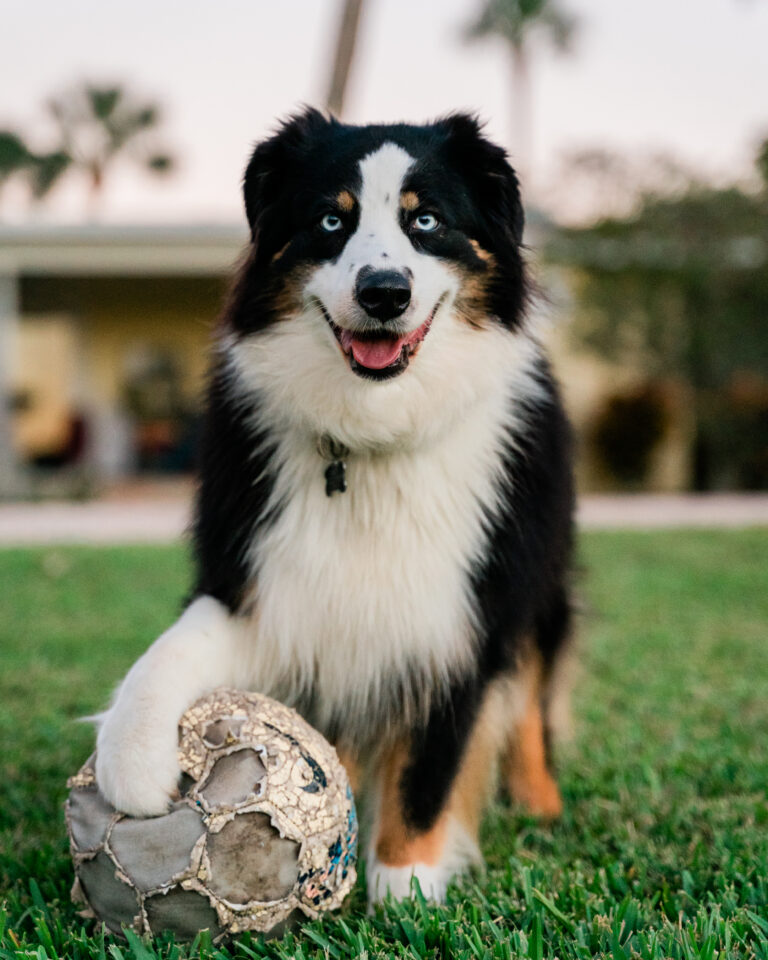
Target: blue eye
331,223
426,222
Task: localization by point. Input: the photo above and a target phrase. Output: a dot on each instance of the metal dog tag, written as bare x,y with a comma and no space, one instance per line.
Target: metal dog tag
336,471
335,478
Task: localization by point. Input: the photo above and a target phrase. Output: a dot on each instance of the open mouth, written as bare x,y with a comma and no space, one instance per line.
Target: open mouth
377,354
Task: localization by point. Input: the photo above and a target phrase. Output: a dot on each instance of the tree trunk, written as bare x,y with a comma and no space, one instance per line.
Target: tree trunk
345,49
95,190
521,112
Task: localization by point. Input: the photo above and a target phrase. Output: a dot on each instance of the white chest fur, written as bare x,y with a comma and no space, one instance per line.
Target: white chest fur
354,590
359,593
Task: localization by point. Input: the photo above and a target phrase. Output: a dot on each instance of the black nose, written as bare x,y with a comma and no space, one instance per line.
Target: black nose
383,294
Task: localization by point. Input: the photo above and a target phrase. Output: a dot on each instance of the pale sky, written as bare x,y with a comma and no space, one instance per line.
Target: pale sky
687,77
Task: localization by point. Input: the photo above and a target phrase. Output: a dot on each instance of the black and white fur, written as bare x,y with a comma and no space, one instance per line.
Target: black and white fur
392,609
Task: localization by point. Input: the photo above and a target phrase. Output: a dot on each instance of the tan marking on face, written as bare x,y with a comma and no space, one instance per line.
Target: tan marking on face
281,252
288,299
481,252
345,200
472,298
409,200
528,778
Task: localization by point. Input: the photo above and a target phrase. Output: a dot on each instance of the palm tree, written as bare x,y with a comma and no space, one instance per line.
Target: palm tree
517,22
97,125
101,124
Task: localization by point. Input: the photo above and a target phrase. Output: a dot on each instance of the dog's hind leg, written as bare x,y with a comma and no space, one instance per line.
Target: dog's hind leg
430,794
542,687
528,776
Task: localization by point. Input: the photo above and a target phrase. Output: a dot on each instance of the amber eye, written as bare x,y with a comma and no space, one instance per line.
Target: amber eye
426,222
331,223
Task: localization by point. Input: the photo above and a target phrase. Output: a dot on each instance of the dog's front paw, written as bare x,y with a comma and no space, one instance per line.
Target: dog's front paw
137,767
397,882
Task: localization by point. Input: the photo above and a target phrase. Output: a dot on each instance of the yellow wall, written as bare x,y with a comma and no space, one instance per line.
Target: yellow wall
44,382
78,335
115,317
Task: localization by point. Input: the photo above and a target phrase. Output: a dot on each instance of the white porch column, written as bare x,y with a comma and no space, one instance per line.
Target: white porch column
9,324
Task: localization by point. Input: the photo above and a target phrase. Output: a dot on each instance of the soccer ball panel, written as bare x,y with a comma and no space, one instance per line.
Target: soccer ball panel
113,901
89,817
234,779
183,912
223,731
251,861
153,851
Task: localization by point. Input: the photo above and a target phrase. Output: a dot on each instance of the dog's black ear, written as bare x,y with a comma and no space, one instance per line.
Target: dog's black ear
272,159
485,166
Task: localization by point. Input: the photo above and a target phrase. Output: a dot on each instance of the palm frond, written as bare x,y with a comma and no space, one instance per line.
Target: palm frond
46,170
561,26
103,101
161,163
514,20
14,153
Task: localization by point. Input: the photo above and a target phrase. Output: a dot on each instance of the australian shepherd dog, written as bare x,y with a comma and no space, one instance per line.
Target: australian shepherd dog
383,524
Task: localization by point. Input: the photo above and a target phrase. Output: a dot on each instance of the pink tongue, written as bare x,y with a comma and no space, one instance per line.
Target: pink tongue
376,354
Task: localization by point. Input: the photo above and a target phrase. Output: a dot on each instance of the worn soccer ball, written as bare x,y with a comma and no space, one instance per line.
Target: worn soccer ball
263,831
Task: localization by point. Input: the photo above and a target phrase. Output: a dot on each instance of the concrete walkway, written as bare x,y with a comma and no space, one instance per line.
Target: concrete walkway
163,519
114,521
657,511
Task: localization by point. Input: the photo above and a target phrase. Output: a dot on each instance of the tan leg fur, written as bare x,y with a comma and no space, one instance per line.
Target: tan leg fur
528,777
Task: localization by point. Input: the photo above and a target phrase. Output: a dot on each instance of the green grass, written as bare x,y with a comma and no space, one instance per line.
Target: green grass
662,852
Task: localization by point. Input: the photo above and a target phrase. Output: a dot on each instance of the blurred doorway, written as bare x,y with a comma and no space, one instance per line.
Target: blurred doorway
49,422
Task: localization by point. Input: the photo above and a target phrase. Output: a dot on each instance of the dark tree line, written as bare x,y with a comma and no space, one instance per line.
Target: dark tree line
680,289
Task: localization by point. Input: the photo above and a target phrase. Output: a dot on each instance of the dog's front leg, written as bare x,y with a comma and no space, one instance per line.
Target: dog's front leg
429,794
136,763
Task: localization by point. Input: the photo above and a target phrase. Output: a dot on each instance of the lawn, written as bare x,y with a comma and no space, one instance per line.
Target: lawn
663,849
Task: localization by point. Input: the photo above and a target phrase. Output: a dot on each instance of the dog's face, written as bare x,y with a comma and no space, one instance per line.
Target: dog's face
379,279
373,247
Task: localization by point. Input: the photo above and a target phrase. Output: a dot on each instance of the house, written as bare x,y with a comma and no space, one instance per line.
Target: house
104,334
103,342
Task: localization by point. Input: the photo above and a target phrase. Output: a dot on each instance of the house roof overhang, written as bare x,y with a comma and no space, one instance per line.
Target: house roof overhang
116,250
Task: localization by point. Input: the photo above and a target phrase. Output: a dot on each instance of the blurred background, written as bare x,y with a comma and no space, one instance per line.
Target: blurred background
640,132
